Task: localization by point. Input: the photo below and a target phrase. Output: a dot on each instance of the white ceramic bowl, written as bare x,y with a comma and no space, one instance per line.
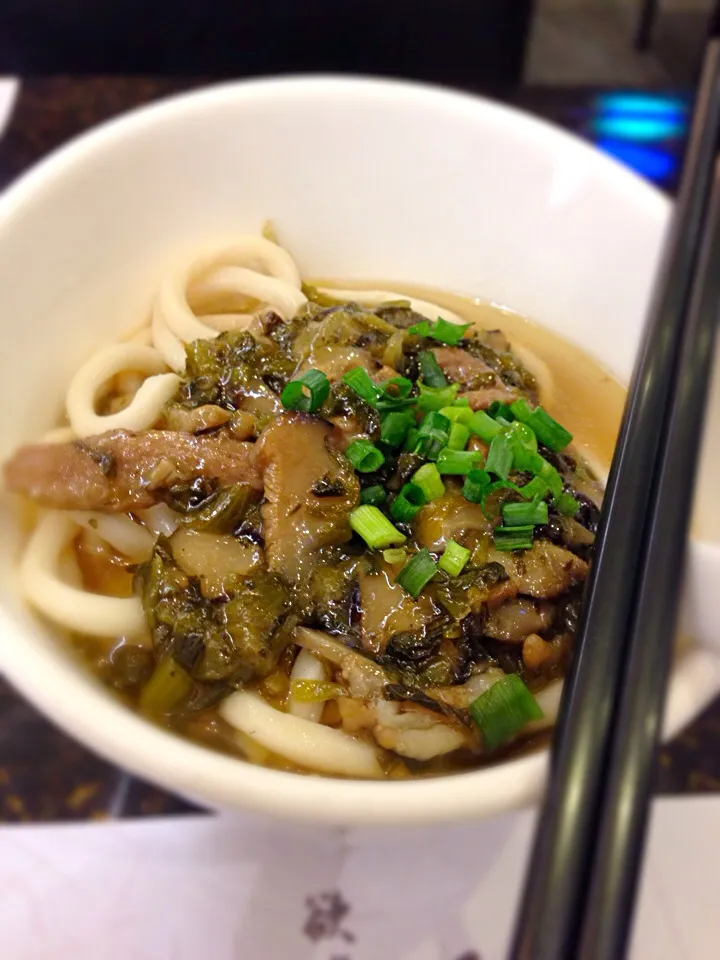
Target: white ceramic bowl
365,179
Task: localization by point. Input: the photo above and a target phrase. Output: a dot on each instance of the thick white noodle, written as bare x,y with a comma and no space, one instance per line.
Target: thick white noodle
128,538
257,268
144,408
65,605
306,667
374,298
308,744
282,297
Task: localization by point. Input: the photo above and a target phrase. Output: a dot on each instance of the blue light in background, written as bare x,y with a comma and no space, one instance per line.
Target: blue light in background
649,128
648,161
645,104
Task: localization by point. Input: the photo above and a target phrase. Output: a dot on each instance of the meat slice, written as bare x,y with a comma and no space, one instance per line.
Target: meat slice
121,471
545,571
515,619
480,383
310,489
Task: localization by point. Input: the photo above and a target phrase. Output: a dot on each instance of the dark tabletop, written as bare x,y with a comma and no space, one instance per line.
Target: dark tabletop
44,775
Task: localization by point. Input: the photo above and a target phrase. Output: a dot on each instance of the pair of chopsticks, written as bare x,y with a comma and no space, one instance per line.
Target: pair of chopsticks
581,883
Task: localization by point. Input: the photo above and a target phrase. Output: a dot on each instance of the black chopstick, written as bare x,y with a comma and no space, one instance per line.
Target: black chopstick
608,911
557,880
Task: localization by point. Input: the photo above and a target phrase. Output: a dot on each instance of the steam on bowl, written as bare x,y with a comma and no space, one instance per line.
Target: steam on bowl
364,179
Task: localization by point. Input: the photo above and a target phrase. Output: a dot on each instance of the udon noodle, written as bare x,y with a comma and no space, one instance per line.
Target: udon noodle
319,528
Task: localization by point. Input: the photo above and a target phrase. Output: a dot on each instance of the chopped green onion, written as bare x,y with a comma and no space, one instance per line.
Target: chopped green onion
430,370
546,428
433,435
435,398
441,330
314,691
524,447
454,558
167,687
520,410
513,538
500,457
567,504
552,478
499,409
484,426
407,503
503,710
374,527
455,414
476,485
458,462
429,480
461,402
459,436
536,489
521,514
395,555
307,392
394,427
364,456
396,388
417,572
411,439
374,495
359,380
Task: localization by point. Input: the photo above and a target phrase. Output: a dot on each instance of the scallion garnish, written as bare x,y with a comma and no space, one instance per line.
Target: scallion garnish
396,388
567,505
375,528
500,457
395,555
433,435
499,409
456,414
364,456
484,426
503,710
451,333
374,495
454,558
536,489
407,503
417,572
458,462
522,514
552,478
394,427
461,402
307,392
411,440
428,478
430,370
459,436
513,538
435,398
359,380
548,431
476,485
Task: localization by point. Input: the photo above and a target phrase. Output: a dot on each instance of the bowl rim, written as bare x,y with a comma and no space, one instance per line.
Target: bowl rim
81,706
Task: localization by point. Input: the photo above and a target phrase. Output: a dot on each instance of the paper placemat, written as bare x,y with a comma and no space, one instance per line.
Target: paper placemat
227,887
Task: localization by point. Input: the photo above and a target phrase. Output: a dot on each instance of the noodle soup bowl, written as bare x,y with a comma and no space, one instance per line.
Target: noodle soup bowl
363,179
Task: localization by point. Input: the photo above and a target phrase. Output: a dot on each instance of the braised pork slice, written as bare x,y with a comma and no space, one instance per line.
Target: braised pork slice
479,383
310,489
545,571
121,471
